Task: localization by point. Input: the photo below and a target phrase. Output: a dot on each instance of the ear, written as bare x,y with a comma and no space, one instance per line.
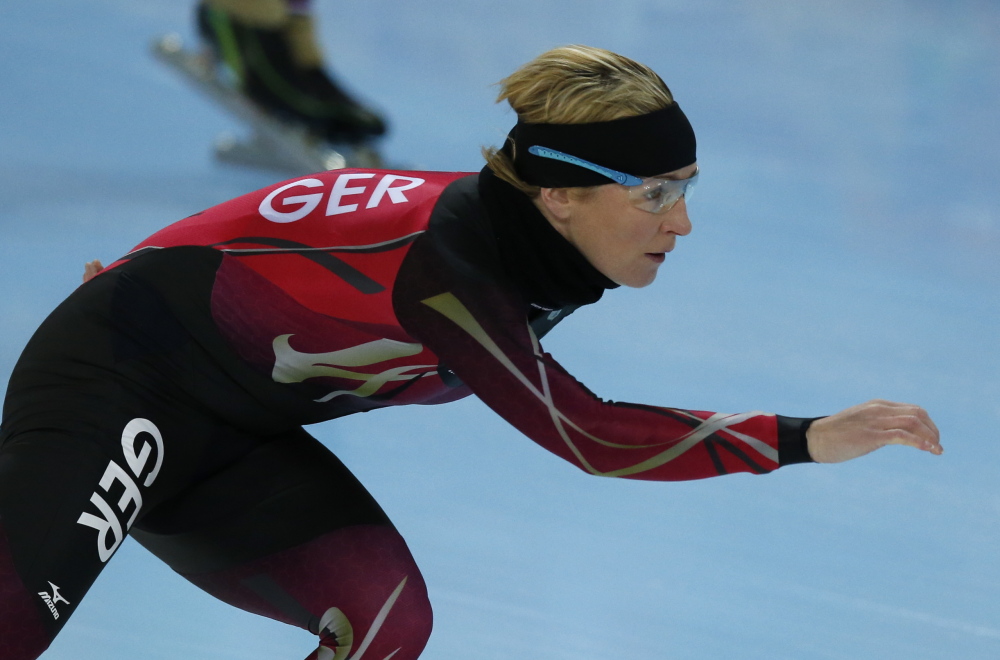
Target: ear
557,203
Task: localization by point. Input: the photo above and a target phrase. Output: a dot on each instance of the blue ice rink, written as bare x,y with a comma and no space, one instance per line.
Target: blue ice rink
845,248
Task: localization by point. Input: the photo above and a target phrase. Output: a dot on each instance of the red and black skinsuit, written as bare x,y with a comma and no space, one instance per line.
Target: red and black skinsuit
165,399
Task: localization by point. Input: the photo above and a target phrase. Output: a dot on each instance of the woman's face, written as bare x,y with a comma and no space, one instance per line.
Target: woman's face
625,243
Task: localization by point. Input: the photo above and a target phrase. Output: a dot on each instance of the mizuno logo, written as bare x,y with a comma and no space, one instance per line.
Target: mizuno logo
52,599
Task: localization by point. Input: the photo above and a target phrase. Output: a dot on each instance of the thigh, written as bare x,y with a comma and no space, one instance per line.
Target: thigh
83,457
285,491
49,482
289,533
71,491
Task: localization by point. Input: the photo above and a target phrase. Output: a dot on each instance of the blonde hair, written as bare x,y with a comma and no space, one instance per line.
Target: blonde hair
575,85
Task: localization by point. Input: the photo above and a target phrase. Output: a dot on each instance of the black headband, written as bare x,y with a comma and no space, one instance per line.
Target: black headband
645,145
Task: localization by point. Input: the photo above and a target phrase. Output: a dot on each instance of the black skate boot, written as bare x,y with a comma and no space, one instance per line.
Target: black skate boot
262,62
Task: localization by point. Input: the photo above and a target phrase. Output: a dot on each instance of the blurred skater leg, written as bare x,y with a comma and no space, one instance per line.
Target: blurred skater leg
272,49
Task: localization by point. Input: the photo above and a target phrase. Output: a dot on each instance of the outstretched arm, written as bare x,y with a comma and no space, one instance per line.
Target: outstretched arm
478,328
492,350
862,429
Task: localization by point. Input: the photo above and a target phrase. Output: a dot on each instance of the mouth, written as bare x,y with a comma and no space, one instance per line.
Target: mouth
656,257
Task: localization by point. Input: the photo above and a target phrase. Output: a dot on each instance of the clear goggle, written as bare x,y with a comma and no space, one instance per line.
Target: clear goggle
651,194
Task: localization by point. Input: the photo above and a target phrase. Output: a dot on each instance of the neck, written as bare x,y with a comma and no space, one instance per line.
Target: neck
549,271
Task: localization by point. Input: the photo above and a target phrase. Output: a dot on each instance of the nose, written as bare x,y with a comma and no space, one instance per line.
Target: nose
676,220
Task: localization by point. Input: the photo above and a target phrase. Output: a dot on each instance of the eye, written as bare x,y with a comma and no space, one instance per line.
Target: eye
654,194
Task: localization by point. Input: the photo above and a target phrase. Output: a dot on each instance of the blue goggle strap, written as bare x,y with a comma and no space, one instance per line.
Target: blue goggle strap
614,175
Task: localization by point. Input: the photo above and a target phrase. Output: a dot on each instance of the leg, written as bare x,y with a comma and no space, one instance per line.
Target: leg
357,588
79,458
271,47
22,635
48,560
290,534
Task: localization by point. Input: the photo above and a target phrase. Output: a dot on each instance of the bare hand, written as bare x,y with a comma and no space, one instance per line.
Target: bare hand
90,269
864,428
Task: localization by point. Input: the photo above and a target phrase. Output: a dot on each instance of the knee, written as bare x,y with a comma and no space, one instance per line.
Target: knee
380,608
357,587
17,640
399,629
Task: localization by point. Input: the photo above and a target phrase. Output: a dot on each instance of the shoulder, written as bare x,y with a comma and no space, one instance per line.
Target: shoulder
458,251
337,207
459,232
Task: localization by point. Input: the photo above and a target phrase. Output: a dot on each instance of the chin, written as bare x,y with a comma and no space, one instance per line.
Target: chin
639,282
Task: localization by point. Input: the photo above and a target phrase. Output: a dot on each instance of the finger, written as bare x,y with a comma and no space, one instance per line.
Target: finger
929,431
917,424
909,408
906,416
886,404
901,436
930,422
92,268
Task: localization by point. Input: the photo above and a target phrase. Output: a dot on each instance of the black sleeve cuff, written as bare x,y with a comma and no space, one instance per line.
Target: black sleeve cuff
792,446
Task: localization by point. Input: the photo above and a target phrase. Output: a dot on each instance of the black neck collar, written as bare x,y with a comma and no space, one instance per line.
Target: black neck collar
547,270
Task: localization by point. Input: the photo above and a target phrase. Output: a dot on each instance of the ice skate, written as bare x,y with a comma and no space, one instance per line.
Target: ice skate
300,120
